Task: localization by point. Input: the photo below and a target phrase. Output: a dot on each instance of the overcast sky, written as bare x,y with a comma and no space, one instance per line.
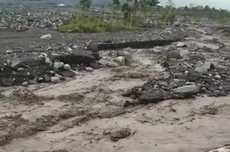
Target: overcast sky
224,4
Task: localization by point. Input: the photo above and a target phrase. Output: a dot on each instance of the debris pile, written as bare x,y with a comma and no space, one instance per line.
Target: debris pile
186,74
45,68
22,17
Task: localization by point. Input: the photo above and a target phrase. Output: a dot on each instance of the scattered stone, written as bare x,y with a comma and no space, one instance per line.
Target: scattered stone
95,65
225,148
204,67
52,73
9,51
217,76
157,50
55,79
20,69
187,90
69,73
89,69
173,55
48,61
163,83
136,75
67,67
25,84
193,75
46,37
90,45
60,76
153,96
181,44
118,133
184,53
33,82
121,60
40,80
75,46
106,63
47,78
80,57
69,49
16,63
58,65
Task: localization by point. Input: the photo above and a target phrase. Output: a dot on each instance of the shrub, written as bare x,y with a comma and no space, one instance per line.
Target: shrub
88,24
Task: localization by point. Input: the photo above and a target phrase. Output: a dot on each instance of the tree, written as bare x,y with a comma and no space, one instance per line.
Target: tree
152,2
116,2
85,4
207,7
186,8
169,14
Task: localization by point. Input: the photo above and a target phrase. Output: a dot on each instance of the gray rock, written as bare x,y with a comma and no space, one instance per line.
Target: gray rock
153,96
58,65
95,65
193,75
67,67
9,51
217,76
40,79
187,90
69,49
25,84
112,64
107,63
47,78
136,75
157,50
184,53
21,69
46,37
52,73
190,83
203,68
88,69
181,44
16,63
179,75
55,79
93,46
121,60
75,46
60,76
173,55
33,82
69,73
163,83
43,56
48,61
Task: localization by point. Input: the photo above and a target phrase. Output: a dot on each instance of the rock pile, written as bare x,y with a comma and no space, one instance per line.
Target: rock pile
21,17
185,76
46,68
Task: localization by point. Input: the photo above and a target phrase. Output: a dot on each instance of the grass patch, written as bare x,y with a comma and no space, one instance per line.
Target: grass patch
87,24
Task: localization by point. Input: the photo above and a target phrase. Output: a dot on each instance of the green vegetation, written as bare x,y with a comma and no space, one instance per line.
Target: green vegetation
85,4
201,12
88,24
169,13
91,24
133,14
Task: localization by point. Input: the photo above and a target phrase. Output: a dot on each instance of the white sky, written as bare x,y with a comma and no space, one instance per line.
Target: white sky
224,4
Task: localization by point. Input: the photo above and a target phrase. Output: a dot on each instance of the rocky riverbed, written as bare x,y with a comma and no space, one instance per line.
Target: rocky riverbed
165,90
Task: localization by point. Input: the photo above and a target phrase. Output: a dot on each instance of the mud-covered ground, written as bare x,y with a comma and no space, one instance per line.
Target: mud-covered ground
87,113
